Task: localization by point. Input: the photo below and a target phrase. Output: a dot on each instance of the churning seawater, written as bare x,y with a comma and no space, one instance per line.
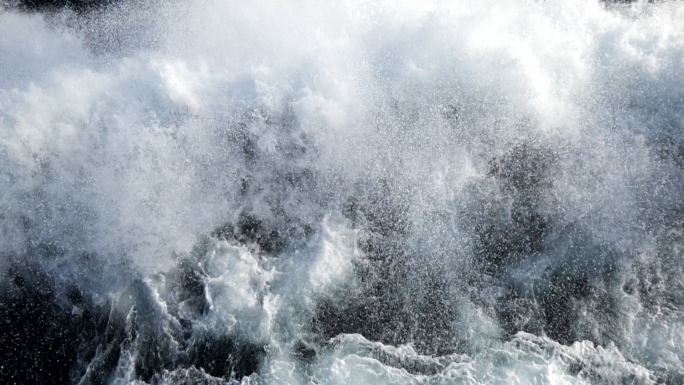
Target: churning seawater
342,192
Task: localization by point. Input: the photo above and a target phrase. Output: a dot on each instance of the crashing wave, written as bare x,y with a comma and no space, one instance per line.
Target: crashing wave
349,192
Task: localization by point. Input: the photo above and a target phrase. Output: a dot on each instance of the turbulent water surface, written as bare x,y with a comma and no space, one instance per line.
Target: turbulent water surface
341,192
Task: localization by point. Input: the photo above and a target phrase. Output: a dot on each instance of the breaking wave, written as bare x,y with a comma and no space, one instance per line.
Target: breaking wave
342,192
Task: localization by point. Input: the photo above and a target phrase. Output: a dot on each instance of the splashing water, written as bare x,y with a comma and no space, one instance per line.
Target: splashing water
342,192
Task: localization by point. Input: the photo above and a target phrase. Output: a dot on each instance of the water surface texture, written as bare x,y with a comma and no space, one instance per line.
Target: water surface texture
341,192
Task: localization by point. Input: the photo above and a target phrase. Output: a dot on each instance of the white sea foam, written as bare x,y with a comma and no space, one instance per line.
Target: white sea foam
133,132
